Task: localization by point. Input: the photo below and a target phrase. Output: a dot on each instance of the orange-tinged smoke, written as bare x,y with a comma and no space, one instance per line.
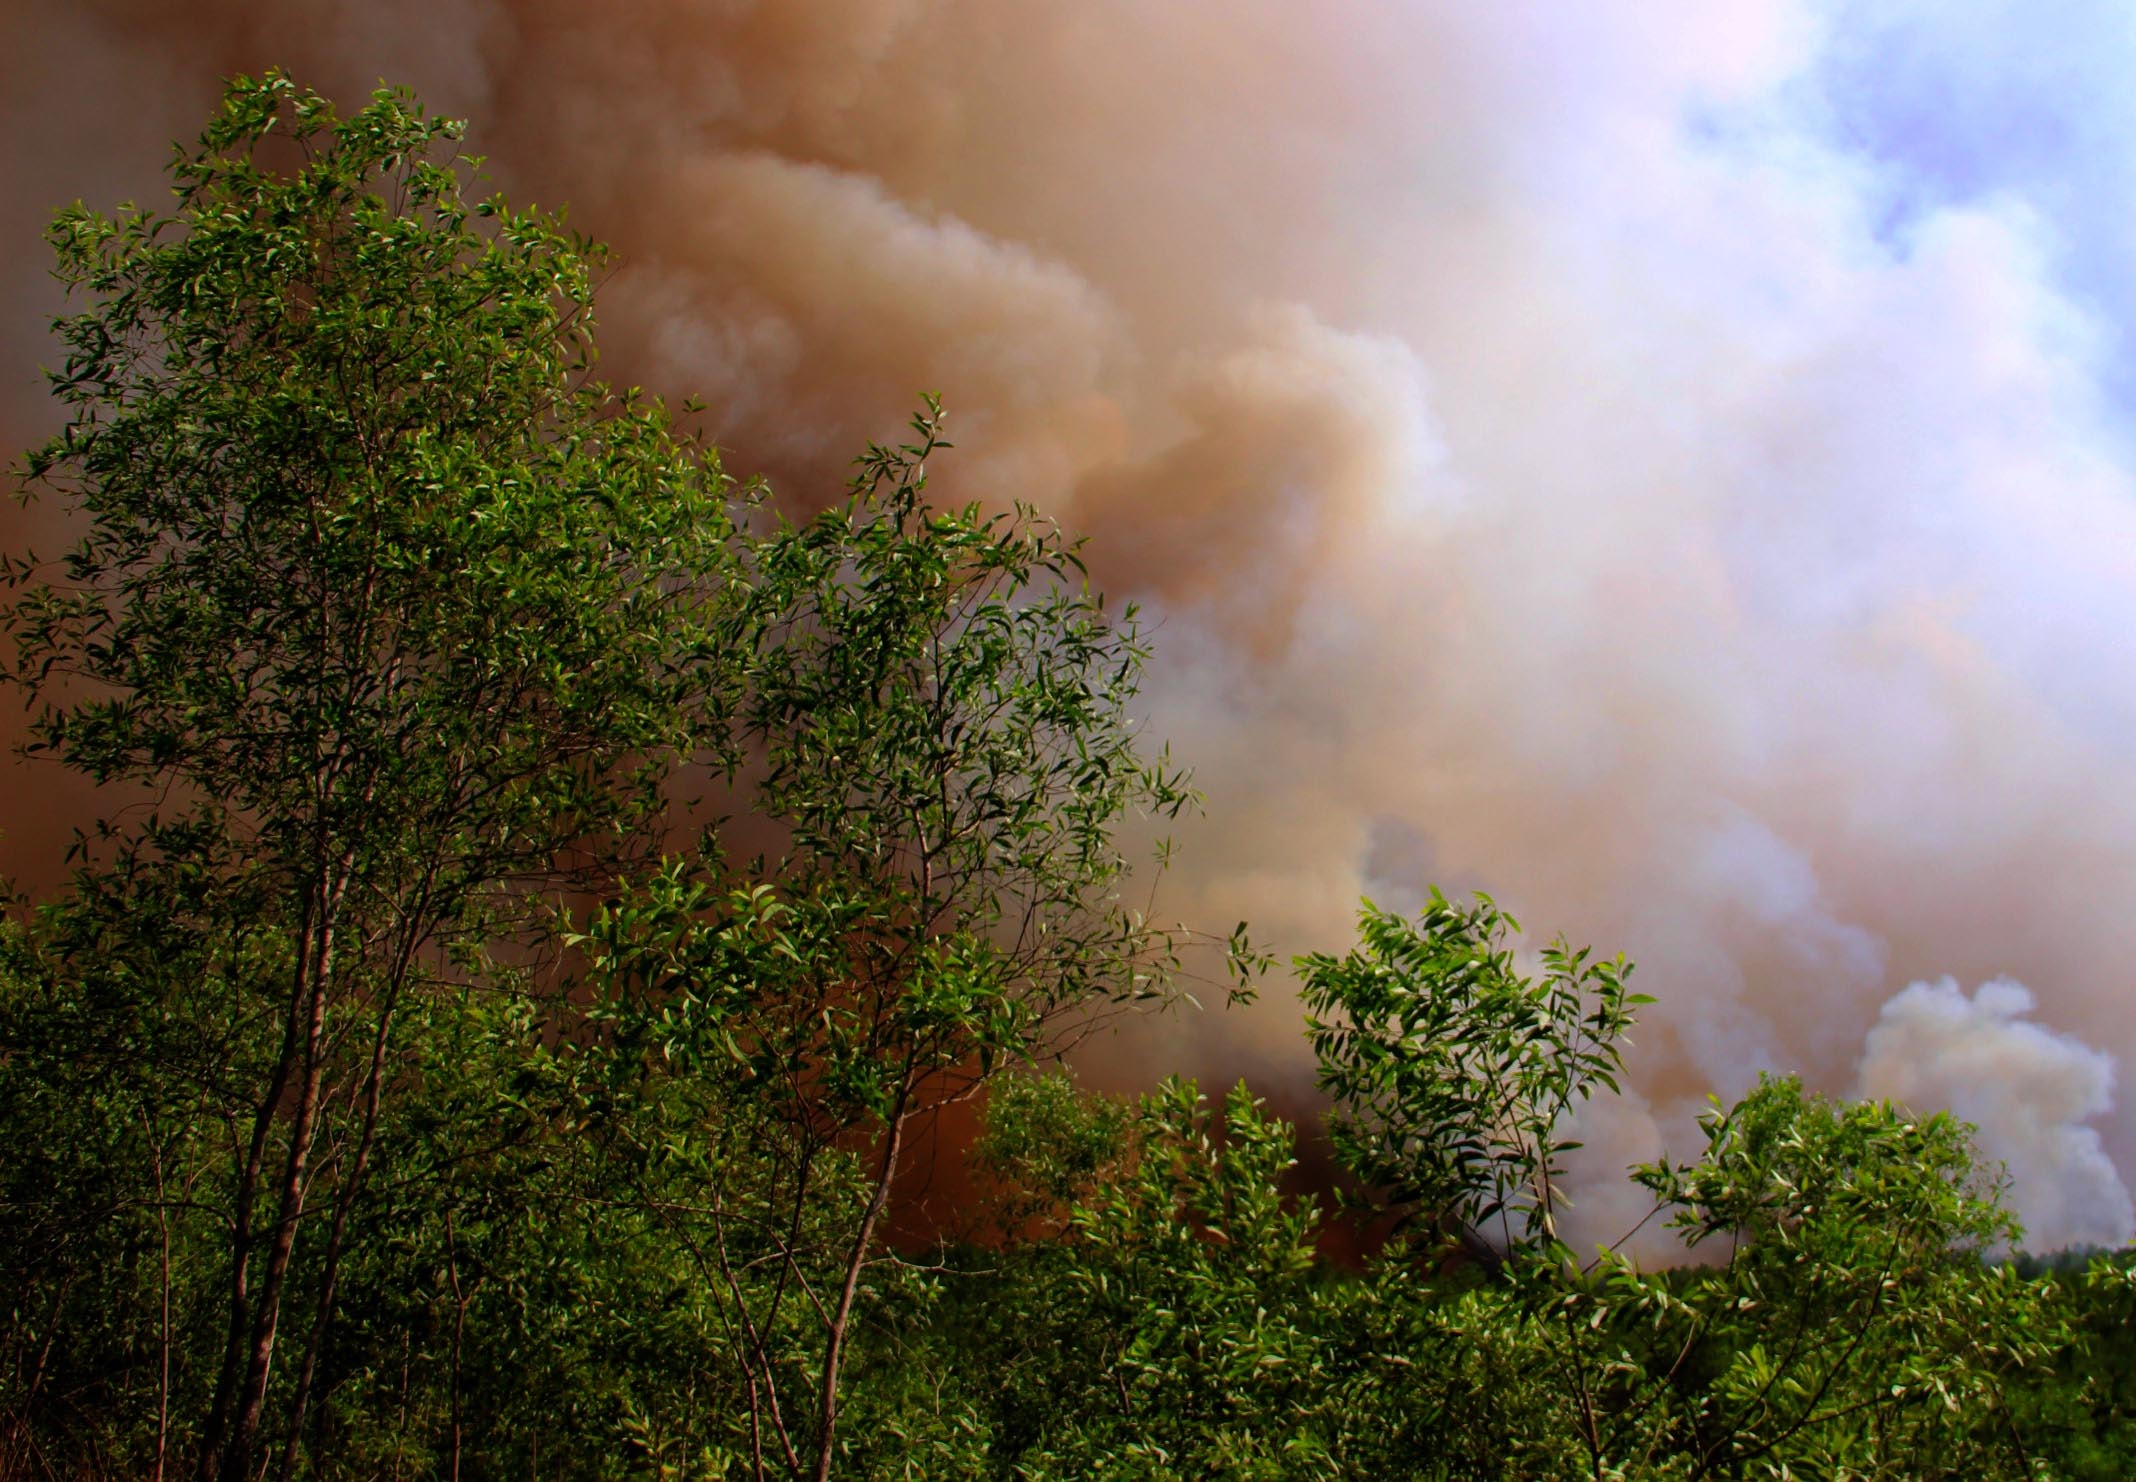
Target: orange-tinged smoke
1537,492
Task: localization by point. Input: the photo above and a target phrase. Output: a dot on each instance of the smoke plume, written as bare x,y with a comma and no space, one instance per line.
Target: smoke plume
1569,450
2028,1089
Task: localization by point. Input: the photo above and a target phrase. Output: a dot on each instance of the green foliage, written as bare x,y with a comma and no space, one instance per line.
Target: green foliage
944,710
1853,1327
1452,1072
1196,1273
368,553
1167,1328
399,616
938,708
2077,1413
397,1090
1043,1149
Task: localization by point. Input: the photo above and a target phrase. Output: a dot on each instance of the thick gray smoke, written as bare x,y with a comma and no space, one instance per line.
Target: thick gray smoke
1558,464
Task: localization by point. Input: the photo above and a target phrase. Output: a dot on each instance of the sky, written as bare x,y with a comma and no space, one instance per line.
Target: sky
1668,462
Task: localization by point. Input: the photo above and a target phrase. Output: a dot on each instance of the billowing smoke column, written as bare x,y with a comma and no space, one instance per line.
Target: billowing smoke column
2029,1091
1569,450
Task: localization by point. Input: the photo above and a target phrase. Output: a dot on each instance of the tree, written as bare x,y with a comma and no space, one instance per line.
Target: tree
940,711
1452,1076
1852,1318
1452,1073
1854,1326
1173,1327
2078,1412
399,619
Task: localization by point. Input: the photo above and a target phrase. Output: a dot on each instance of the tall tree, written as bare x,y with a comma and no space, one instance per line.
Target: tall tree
941,711
397,616
1453,1073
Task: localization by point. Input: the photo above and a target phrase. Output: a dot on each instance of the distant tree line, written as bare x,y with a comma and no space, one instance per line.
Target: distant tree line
547,898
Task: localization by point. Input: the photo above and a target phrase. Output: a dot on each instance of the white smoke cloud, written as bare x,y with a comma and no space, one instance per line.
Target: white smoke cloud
2029,1090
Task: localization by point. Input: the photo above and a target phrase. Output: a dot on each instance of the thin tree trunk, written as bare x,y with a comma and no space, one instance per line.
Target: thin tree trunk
295,1184
400,1424
351,1186
336,1236
842,1315
215,1434
163,1345
459,1328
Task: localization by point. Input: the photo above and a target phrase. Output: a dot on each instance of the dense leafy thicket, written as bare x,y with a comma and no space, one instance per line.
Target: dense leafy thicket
547,901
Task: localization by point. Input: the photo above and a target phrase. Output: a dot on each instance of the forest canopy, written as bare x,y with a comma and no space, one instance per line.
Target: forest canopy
548,898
